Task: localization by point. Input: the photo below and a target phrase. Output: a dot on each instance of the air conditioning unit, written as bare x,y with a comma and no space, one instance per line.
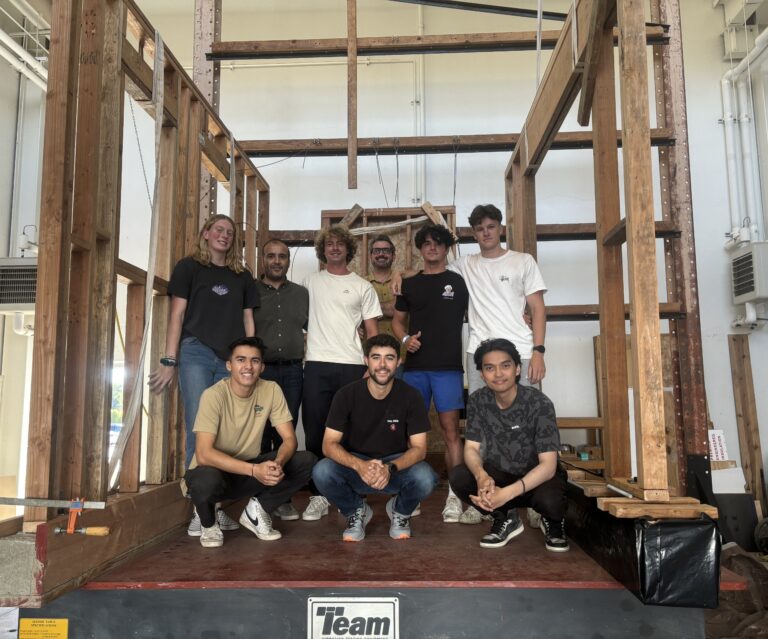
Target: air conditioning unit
18,285
749,273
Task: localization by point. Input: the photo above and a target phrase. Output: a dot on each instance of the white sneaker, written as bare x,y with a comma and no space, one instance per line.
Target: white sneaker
211,537
452,510
416,511
317,508
286,512
256,519
195,528
472,516
534,518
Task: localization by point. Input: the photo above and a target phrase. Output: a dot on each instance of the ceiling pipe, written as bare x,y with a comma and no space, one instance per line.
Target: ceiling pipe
31,14
23,69
23,55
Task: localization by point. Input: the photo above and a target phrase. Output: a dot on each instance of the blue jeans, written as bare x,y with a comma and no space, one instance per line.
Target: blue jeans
199,368
344,487
290,379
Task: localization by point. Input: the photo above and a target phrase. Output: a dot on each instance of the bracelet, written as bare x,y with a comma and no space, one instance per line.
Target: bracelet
405,339
523,483
253,468
169,361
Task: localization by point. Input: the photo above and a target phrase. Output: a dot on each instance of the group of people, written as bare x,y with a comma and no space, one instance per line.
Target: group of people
379,352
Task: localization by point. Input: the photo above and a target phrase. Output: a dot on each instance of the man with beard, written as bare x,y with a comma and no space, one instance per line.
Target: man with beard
280,322
375,442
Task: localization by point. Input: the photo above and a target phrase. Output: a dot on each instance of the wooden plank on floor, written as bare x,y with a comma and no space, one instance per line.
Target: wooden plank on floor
662,511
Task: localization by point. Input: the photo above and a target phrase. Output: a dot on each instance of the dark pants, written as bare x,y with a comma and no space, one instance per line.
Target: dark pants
548,499
208,485
290,379
321,381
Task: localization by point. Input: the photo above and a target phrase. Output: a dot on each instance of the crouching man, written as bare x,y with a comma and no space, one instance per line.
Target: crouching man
375,441
510,451
227,463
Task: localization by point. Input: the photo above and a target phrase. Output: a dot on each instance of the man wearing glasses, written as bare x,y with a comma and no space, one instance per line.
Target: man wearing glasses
382,255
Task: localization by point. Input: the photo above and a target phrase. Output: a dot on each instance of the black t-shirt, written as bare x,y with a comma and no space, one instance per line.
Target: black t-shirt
377,427
436,305
216,297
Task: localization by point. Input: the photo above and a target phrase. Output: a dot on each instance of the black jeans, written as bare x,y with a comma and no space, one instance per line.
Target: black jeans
208,485
290,379
321,381
548,499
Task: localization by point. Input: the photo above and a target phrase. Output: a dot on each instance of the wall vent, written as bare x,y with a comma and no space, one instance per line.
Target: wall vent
749,273
18,284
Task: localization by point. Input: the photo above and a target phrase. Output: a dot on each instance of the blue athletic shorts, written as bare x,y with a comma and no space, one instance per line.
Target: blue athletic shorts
445,387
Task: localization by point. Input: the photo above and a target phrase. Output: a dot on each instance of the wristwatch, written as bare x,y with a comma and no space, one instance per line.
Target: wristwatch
392,468
169,361
540,349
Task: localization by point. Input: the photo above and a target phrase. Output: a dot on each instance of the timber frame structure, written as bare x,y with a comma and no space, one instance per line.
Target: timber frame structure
100,50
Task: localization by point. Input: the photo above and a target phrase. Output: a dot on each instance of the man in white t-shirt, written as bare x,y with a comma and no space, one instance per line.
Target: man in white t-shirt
501,282
339,302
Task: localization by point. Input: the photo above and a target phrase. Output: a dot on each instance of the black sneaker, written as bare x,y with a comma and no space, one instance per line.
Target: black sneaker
554,535
502,530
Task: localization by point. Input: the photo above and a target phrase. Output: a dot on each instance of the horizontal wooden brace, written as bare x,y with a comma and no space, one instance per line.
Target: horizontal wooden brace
138,76
580,422
427,144
129,274
591,312
399,45
618,235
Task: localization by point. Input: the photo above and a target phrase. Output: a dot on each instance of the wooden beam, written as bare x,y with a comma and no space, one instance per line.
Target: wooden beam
591,312
48,356
263,224
594,49
351,94
138,84
130,465
617,235
251,221
194,217
746,417
351,216
397,45
427,144
216,163
680,255
487,8
130,274
521,220
580,422
614,403
206,75
641,250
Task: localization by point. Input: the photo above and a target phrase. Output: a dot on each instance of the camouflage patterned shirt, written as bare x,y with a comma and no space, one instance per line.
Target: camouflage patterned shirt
511,439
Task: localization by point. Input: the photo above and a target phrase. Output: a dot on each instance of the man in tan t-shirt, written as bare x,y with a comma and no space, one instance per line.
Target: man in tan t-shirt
228,463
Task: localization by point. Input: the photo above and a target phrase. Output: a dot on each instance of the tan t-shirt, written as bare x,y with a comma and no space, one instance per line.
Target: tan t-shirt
237,422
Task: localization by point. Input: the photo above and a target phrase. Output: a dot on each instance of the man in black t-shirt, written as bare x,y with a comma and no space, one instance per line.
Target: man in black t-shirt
375,442
429,315
510,451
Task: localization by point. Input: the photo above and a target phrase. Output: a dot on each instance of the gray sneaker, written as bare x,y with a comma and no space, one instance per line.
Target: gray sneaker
356,523
401,525
286,512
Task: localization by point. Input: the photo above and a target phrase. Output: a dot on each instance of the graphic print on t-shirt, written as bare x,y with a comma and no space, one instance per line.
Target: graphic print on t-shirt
448,292
220,289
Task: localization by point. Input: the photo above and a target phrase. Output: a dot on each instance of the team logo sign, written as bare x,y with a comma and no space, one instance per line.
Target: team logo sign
341,617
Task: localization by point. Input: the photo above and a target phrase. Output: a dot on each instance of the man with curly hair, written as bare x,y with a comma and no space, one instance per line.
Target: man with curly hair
339,301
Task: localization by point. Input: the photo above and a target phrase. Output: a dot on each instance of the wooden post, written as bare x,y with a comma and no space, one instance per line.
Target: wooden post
134,332
746,417
194,166
680,254
263,225
523,218
615,407
641,253
252,250
352,94
206,76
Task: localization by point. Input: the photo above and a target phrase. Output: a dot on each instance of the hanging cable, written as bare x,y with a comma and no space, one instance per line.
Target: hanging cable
292,155
397,172
539,18
141,154
455,166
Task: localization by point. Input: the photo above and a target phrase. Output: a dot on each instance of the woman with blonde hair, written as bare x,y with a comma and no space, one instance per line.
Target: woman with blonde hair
212,299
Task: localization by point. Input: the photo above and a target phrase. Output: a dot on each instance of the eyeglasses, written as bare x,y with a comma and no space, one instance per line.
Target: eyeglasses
385,251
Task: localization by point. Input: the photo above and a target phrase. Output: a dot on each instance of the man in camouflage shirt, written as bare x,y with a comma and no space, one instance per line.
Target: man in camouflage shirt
510,451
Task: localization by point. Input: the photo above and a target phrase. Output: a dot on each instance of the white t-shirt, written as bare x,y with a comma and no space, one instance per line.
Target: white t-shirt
497,290
338,304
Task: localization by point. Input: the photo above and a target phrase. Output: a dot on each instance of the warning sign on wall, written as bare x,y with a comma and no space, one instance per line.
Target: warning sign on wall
43,628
